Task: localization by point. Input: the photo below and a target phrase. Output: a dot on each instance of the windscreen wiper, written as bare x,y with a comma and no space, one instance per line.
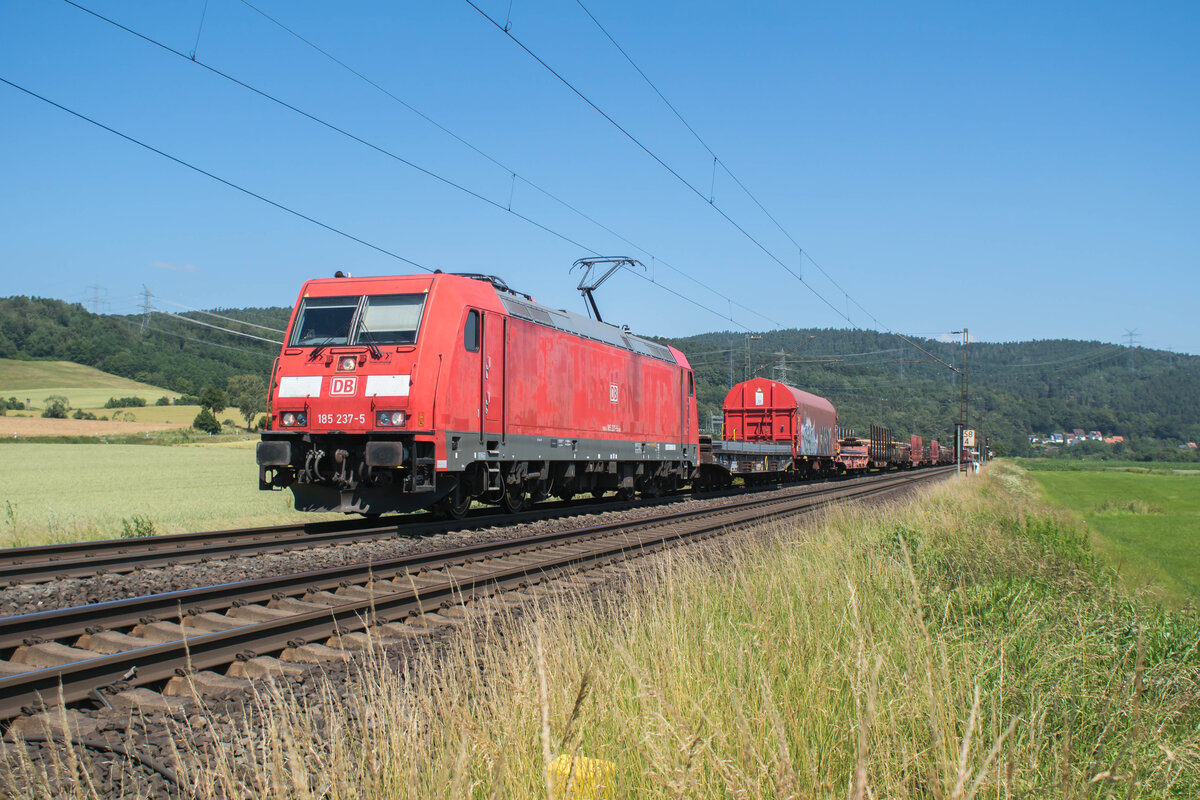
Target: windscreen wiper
316,351
376,353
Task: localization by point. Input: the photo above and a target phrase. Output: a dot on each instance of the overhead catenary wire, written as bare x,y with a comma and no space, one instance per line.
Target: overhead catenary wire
660,161
506,168
219,316
207,343
215,177
336,129
280,206
1100,353
409,163
717,160
231,332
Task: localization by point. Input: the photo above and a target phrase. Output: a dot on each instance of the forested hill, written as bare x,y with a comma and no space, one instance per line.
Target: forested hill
1149,396
183,354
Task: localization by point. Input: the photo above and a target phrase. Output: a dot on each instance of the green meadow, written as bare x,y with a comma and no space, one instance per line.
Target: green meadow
84,387
89,389
68,492
1144,519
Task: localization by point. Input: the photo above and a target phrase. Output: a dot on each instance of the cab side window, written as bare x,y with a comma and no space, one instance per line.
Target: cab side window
471,332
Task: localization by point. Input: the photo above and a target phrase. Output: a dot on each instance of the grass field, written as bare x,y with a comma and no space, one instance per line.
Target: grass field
965,644
84,387
23,428
1069,465
1144,520
64,492
175,415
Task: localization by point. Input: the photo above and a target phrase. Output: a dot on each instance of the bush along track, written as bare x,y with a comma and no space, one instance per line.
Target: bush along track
963,644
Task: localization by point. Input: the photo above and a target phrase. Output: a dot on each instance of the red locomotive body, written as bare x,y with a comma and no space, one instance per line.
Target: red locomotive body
396,393
916,451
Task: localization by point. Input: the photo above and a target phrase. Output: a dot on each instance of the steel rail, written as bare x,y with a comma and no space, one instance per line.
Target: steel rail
43,563
74,621
155,663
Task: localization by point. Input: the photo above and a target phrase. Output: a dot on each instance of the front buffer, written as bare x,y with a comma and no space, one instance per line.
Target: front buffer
350,473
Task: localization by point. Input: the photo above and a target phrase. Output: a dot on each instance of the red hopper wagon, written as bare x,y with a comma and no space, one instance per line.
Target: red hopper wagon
774,429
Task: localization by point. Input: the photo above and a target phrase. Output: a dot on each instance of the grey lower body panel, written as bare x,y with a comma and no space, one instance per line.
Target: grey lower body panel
465,447
399,479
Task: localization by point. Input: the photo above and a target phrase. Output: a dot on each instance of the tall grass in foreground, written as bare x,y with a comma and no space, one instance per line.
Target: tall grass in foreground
960,645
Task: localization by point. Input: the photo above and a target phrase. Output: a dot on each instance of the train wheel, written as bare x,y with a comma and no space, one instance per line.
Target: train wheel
597,493
513,500
624,494
454,505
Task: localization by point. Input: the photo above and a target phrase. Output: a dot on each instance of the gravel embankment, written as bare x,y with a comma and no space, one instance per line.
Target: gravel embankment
130,753
67,592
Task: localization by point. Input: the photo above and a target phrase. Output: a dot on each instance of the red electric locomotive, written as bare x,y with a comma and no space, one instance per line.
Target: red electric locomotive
400,393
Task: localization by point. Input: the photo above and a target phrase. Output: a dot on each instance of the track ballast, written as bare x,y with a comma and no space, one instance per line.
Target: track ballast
253,628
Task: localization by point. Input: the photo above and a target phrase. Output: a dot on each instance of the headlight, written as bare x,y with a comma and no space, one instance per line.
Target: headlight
289,418
386,419
293,418
348,364
301,418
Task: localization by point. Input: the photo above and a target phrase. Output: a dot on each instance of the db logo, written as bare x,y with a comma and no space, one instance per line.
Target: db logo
614,393
343,386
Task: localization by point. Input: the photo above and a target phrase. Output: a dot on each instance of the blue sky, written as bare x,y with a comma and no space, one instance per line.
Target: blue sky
1029,170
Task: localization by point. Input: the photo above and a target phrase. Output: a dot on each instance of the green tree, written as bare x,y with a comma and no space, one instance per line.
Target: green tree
214,399
205,421
57,407
248,394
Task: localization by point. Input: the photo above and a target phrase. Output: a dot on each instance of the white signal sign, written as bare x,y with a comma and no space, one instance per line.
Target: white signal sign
968,438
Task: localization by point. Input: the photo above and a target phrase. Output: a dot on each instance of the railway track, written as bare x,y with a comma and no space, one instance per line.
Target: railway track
110,652
44,563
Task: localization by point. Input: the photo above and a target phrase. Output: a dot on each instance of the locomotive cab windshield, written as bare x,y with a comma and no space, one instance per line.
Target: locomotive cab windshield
366,320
